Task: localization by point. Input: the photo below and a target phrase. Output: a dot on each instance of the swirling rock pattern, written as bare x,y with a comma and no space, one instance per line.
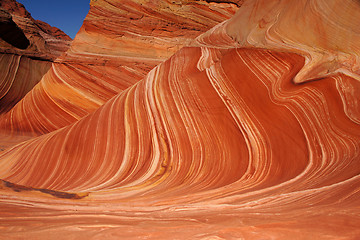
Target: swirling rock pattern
20,75
220,141
110,55
28,47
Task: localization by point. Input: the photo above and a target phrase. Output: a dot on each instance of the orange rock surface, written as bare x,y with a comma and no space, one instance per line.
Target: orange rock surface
250,132
109,55
27,49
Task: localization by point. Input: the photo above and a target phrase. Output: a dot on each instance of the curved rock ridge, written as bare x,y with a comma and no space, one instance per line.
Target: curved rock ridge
188,144
27,49
326,32
19,75
217,142
108,55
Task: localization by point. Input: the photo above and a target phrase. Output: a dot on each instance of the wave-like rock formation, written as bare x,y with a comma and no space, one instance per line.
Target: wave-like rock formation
27,49
109,55
19,75
243,135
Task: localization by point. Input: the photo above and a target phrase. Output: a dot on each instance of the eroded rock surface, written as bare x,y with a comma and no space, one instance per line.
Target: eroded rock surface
27,49
109,55
226,139
45,42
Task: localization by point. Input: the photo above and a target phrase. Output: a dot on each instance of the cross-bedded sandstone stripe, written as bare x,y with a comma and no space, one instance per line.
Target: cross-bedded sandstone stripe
108,56
217,142
238,139
18,76
174,119
326,33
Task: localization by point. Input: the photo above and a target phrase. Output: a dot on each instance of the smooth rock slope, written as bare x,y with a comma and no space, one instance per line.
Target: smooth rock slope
108,55
27,49
243,134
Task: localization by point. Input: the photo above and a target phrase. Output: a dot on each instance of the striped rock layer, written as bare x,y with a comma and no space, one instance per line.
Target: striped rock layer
27,49
108,55
220,141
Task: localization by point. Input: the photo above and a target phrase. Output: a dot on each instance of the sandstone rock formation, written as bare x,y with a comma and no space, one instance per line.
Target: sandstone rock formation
109,55
27,49
11,33
45,42
252,132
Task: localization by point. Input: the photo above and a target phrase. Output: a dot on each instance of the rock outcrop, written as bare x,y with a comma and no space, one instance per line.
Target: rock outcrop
11,33
108,55
27,49
242,135
44,42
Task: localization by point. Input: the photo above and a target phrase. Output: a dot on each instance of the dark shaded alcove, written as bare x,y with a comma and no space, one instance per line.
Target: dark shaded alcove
10,32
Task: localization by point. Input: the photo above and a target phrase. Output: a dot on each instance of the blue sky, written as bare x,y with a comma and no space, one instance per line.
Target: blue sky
68,15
